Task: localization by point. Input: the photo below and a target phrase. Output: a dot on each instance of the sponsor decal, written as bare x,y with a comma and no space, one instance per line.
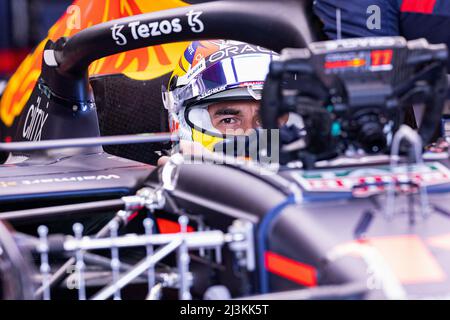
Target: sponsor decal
375,60
237,50
366,182
140,30
355,43
212,91
154,29
7,184
35,122
194,21
117,35
195,71
75,179
70,179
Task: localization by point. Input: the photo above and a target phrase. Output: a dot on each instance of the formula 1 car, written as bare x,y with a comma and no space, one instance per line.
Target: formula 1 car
352,209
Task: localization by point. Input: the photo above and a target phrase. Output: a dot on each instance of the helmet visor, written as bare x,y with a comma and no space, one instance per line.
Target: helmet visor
249,70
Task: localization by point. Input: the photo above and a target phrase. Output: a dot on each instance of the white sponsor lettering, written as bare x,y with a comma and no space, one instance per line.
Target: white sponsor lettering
212,91
143,31
154,29
358,43
140,30
236,50
6,184
192,73
34,122
176,25
165,27
70,179
73,17
374,20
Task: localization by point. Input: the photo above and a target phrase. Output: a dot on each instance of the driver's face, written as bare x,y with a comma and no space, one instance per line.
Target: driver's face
235,117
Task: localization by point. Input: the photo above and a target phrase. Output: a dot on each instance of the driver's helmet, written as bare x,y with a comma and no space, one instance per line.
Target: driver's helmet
209,72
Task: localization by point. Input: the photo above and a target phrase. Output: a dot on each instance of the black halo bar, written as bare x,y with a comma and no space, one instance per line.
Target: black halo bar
88,142
272,24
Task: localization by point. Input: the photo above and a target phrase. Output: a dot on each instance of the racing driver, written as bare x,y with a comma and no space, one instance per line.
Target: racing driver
214,94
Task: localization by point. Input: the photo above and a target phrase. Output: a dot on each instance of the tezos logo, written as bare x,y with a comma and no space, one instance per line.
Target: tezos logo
141,30
118,36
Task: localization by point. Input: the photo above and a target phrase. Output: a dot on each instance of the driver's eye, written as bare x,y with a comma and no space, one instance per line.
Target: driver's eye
228,121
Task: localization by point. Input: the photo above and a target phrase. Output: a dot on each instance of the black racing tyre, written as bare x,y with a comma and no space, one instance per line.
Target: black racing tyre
15,270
